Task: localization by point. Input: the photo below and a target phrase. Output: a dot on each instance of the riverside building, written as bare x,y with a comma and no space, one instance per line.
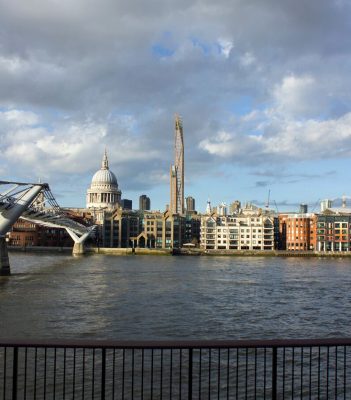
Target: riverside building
27,234
297,232
249,229
151,229
328,231
334,230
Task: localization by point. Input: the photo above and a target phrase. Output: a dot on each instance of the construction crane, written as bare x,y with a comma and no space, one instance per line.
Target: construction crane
269,195
275,203
343,199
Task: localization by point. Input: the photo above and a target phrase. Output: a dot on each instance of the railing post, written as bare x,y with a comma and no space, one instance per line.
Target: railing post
190,375
14,373
103,373
274,372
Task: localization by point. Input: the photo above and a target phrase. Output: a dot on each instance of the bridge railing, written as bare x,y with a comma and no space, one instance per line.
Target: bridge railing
264,369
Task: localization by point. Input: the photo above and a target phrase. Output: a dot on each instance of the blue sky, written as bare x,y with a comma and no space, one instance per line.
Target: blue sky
263,88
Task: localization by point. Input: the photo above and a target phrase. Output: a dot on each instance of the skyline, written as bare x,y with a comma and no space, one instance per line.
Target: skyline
263,91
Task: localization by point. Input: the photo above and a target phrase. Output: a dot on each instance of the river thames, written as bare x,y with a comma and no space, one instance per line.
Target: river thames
164,297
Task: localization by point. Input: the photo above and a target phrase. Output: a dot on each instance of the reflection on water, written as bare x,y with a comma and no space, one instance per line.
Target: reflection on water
58,296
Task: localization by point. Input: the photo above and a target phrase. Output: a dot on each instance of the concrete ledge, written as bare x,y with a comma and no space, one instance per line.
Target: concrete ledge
108,250
153,252
40,249
259,253
129,251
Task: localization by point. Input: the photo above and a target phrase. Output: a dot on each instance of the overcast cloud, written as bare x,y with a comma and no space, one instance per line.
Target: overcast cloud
259,83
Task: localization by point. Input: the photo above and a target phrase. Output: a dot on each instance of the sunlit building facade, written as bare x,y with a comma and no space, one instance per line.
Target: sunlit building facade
238,232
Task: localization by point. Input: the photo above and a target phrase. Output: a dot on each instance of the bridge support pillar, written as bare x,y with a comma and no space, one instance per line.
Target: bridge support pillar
4,258
78,249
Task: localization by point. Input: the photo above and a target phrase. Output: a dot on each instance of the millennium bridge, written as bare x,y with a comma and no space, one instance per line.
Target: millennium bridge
35,202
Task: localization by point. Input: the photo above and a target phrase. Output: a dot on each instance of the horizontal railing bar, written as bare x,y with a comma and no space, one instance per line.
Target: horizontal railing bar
176,344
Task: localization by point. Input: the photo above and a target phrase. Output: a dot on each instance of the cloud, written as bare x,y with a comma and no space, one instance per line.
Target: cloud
255,82
262,183
298,96
284,139
278,177
225,46
69,147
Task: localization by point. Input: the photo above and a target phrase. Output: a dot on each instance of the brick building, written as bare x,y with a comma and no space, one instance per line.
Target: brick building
25,233
297,232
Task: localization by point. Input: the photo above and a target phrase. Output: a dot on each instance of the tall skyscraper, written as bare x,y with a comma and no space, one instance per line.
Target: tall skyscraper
144,203
190,204
177,170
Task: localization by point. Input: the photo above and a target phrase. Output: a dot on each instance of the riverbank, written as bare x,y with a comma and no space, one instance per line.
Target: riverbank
259,253
129,251
181,252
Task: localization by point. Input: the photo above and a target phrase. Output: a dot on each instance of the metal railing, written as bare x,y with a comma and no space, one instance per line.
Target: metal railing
263,369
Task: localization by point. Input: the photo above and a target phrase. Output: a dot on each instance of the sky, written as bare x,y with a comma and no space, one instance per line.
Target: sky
263,88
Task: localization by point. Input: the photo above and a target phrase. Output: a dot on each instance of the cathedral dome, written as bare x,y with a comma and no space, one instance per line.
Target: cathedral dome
103,192
104,177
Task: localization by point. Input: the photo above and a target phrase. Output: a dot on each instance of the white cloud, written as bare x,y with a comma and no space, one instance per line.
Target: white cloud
93,62
226,46
18,118
12,64
68,147
299,96
285,140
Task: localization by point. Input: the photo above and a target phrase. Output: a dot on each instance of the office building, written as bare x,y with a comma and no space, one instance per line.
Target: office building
190,204
127,204
144,203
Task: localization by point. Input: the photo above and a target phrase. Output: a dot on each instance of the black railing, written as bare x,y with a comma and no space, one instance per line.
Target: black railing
265,369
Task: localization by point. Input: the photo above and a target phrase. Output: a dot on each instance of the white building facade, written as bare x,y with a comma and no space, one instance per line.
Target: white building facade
237,232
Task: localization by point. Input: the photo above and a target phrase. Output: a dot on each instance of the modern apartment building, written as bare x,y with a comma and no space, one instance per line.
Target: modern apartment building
238,232
334,230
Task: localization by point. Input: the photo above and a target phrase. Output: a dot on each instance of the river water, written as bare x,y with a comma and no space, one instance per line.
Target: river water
163,297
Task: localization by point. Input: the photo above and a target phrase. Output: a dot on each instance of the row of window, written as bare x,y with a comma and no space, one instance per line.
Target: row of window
246,242
331,224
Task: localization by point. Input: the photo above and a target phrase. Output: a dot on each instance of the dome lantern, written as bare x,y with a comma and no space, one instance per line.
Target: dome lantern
105,161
